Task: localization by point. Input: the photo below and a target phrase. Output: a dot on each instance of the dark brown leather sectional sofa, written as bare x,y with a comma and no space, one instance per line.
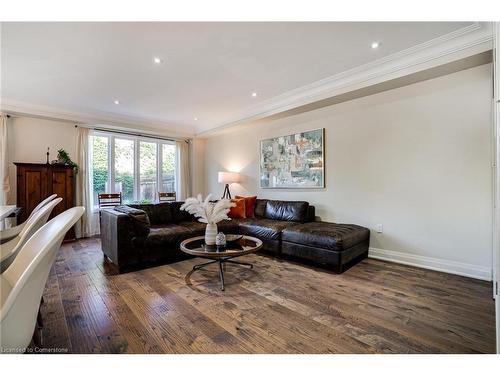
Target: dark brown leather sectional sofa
140,235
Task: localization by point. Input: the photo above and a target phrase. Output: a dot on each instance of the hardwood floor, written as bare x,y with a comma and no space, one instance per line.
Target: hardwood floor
278,307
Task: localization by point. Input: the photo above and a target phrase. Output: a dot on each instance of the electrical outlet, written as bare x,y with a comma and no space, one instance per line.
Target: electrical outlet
379,228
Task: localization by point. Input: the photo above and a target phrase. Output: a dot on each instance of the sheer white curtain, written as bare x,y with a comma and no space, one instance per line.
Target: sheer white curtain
4,161
4,164
183,172
88,225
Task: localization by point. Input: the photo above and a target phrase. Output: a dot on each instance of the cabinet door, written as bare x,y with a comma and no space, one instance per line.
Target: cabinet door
31,189
61,182
58,185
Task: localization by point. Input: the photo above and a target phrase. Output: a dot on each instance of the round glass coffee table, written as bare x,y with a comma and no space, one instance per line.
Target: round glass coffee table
221,255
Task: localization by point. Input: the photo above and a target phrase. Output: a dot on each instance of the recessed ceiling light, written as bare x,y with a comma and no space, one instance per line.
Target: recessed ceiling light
195,119
375,45
116,101
254,94
157,60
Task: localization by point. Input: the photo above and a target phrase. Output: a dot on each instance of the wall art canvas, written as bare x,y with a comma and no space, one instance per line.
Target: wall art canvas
293,161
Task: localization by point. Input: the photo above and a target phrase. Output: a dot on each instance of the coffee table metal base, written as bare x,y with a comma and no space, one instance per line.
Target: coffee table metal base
221,269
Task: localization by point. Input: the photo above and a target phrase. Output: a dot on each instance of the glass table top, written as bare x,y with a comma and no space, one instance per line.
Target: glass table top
196,246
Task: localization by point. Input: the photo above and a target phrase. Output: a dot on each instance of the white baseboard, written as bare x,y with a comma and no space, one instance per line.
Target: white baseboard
436,264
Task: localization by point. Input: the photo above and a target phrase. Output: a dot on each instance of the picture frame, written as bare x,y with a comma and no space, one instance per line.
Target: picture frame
293,161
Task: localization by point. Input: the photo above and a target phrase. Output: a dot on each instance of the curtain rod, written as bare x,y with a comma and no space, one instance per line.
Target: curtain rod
135,134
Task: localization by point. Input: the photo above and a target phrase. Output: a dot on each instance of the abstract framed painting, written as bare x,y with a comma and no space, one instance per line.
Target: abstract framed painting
294,161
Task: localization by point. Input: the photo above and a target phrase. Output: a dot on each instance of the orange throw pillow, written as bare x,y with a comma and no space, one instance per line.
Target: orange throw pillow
237,212
249,205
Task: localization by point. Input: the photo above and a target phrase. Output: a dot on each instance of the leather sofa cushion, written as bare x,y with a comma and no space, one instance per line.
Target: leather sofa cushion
260,207
325,235
195,227
198,229
229,226
140,224
159,213
167,235
287,210
264,228
179,215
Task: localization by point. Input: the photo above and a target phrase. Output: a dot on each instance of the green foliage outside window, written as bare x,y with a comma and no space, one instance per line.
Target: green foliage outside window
123,155
100,163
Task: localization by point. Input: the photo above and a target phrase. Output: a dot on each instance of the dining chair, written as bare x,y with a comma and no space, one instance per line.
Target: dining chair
166,197
9,233
9,250
24,281
109,200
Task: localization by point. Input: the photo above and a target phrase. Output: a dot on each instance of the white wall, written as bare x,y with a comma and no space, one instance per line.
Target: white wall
28,141
415,159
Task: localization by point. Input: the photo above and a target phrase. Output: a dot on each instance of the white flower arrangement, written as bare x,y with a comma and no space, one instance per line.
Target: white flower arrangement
206,211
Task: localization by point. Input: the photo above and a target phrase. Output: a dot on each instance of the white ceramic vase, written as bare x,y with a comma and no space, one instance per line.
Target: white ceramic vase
210,234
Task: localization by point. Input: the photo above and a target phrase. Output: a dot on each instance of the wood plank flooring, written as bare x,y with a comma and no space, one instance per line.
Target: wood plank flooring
278,307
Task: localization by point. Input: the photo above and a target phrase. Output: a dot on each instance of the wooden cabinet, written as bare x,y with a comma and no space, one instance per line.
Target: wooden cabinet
36,182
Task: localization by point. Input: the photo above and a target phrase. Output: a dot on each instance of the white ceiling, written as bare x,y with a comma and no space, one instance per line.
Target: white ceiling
209,70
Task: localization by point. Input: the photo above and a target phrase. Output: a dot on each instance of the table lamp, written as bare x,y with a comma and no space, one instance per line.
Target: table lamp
228,178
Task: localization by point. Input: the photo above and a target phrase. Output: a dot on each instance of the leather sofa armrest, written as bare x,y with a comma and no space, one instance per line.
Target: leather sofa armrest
139,224
117,235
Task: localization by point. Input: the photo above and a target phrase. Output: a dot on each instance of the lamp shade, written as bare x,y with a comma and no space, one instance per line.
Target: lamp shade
228,177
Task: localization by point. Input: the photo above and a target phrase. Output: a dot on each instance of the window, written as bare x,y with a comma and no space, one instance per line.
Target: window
124,169
138,167
148,171
100,165
168,167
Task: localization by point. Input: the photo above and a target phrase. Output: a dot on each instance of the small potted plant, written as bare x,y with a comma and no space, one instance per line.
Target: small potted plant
63,158
208,212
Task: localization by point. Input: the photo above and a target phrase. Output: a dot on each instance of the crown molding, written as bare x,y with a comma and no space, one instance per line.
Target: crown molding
112,121
471,40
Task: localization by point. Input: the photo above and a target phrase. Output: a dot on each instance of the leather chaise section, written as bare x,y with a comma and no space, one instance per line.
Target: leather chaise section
338,260
325,235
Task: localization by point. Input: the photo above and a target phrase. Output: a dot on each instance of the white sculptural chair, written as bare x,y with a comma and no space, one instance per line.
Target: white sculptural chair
9,250
9,233
22,284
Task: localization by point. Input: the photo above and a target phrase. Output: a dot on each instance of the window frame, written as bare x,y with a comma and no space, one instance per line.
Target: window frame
136,154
